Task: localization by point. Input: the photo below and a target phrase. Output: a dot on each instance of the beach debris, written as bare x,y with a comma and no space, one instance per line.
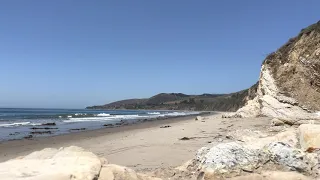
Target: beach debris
167,126
48,124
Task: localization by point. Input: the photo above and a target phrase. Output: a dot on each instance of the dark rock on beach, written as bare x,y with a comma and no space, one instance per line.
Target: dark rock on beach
108,125
28,137
165,126
48,124
41,132
34,128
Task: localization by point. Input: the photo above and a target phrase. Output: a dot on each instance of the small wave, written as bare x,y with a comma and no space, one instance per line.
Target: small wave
318,113
154,113
105,118
15,124
176,114
103,115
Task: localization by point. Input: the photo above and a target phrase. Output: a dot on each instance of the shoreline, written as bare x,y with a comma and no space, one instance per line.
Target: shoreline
38,143
77,124
143,146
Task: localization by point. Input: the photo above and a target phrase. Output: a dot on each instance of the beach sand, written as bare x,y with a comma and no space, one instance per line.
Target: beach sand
141,146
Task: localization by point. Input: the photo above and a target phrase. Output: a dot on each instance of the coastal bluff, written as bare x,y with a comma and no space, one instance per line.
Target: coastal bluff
289,84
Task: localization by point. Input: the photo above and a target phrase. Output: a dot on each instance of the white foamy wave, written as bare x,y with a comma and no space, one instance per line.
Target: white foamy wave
80,114
69,116
103,115
318,113
15,124
176,114
154,113
105,118
181,113
72,120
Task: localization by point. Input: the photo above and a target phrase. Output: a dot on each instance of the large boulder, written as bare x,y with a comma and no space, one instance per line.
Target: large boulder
55,164
228,157
309,135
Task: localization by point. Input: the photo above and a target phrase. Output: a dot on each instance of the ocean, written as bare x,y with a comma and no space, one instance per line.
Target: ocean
18,123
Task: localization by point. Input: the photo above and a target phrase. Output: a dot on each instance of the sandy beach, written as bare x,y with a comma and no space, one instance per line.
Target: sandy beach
148,145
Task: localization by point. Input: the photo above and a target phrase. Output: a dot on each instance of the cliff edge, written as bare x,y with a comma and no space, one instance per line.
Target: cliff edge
289,84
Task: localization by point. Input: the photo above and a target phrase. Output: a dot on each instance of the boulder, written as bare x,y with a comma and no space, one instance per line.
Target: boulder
115,172
288,156
55,164
228,157
309,136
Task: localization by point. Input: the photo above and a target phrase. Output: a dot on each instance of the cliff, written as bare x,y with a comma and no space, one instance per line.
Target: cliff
289,84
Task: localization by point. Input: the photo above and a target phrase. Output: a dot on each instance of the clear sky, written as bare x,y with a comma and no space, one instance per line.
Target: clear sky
75,53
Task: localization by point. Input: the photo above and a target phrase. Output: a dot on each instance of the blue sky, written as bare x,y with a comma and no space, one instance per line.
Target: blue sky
75,53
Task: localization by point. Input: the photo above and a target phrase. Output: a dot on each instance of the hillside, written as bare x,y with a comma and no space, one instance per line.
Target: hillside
179,101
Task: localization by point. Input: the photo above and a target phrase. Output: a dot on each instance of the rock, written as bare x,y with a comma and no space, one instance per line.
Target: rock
41,132
55,164
167,126
293,158
28,137
276,122
34,128
309,136
228,157
186,138
108,125
199,118
48,124
115,172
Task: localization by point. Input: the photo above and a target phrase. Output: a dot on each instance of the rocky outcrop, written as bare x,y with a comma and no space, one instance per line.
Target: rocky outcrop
258,154
71,163
289,84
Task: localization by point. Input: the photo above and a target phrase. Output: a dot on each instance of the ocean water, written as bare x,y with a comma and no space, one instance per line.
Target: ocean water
17,123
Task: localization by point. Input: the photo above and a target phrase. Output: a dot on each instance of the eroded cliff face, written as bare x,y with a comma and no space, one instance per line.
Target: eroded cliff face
289,84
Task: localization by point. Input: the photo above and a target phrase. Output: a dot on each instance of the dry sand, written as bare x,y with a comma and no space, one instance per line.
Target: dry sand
141,146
